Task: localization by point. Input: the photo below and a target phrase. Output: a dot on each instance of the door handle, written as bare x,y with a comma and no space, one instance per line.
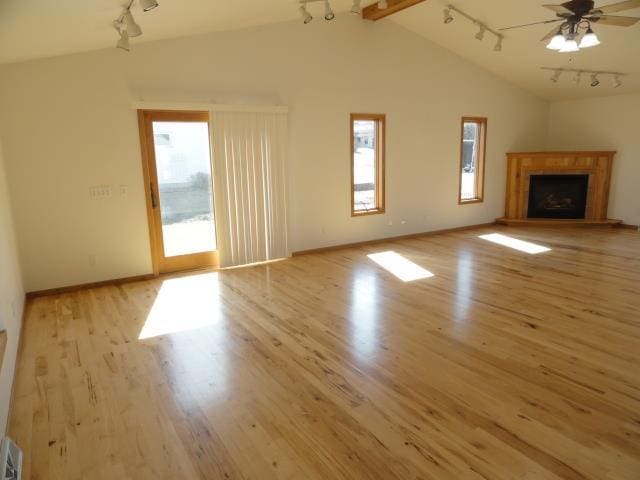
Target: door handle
153,196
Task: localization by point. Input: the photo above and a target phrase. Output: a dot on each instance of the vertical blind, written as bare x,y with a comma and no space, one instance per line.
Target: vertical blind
249,160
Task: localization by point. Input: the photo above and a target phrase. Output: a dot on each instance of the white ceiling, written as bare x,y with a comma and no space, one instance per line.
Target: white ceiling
43,28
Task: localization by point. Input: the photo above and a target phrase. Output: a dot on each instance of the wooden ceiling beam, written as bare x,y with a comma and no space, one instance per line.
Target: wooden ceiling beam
373,13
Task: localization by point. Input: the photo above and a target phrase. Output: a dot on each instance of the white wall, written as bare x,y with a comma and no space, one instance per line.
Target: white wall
606,123
11,295
68,125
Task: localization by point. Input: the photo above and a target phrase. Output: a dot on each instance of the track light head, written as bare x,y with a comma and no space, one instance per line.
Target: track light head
480,34
594,80
498,47
616,82
306,16
133,29
383,5
328,13
123,43
356,8
148,5
556,76
577,78
448,18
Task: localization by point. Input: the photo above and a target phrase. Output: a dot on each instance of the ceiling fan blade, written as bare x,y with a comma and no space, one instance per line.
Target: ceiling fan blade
535,23
549,35
557,8
617,7
614,20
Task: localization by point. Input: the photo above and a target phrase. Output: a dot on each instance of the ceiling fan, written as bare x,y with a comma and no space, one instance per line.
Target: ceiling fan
577,15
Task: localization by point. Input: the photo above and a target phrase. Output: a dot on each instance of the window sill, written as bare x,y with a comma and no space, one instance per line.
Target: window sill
367,212
471,200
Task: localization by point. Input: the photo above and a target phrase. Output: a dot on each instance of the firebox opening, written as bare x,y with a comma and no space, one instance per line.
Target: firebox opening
558,196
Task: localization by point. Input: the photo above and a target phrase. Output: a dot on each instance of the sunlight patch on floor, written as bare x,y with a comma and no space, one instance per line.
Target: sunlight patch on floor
182,304
514,243
401,267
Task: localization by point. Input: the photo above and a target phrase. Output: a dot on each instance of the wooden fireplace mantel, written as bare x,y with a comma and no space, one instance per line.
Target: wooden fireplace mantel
521,165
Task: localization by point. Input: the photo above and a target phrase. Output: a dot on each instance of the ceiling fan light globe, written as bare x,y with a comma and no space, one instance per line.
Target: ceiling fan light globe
589,40
569,46
557,42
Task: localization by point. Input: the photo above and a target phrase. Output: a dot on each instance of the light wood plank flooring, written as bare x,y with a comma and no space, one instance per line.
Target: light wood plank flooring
503,365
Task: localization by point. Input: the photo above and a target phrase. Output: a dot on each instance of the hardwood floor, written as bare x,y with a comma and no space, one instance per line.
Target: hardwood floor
503,365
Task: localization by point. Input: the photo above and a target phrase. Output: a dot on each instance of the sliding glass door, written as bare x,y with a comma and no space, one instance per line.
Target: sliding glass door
180,195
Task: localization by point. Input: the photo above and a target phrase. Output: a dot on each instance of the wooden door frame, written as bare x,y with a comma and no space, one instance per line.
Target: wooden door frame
147,150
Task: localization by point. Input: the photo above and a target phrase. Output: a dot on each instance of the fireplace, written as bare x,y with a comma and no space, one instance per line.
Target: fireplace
558,196
558,188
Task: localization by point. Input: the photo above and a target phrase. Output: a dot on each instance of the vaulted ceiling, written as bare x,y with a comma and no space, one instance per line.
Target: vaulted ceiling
34,29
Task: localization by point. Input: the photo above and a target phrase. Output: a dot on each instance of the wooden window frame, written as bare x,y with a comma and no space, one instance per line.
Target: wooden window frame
381,127
480,168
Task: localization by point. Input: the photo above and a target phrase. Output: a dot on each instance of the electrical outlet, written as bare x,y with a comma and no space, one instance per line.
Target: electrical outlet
124,189
100,191
403,222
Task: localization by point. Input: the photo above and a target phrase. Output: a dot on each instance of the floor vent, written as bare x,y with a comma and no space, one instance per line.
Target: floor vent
10,460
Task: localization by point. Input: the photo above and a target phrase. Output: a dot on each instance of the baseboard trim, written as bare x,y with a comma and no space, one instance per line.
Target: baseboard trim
389,239
84,286
12,398
628,227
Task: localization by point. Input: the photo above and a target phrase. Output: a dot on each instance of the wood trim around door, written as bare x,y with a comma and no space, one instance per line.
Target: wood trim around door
147,148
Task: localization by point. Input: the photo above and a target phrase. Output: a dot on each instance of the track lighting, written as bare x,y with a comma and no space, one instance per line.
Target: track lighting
577,78
594,74
383,5
126,25
356,7
590,39
133,29
306,16
123,43
483,29
448,18
328,13
148,5
616,82
498,47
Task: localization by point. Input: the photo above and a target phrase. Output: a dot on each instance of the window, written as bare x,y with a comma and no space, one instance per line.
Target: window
367,164
472,150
